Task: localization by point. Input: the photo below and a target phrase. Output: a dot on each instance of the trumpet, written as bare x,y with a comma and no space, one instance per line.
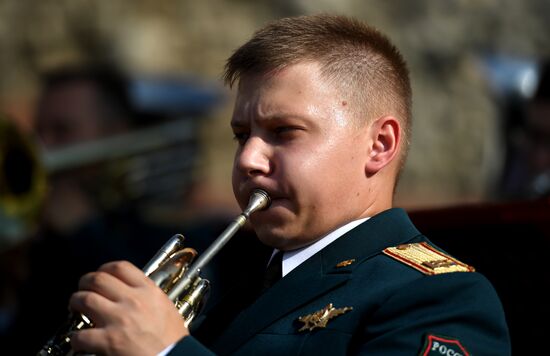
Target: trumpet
171,269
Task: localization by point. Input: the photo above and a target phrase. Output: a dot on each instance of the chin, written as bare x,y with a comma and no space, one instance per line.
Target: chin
279,239
271,237
277,226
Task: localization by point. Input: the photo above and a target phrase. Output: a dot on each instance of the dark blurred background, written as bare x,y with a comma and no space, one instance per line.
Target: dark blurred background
114,135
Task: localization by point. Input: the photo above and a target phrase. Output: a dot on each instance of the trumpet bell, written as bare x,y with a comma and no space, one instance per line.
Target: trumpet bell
22,185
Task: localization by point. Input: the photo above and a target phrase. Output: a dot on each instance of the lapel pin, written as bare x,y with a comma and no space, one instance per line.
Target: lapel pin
320,318
345,263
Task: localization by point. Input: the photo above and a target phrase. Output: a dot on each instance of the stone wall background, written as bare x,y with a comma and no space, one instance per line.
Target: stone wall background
456,154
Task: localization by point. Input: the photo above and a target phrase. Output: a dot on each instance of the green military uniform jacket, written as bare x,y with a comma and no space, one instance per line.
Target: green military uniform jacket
382,306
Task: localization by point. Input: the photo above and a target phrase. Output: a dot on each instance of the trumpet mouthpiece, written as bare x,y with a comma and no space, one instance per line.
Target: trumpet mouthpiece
259,200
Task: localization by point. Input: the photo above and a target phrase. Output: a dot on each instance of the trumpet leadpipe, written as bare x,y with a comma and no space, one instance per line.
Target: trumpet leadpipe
259,200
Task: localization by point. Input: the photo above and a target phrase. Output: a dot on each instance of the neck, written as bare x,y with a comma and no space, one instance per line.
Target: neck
379,199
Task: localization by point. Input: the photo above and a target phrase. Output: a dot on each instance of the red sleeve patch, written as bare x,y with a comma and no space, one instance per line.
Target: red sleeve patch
443,345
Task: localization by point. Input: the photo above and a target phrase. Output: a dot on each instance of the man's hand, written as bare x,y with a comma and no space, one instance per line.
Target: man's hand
132,316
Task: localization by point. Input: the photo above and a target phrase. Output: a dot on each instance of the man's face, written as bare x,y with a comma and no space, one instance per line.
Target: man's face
298,140
69,114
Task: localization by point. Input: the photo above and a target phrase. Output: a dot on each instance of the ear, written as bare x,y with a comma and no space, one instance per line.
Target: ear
385,138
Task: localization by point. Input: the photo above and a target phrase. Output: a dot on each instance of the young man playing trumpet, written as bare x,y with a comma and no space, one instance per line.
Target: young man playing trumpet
322,122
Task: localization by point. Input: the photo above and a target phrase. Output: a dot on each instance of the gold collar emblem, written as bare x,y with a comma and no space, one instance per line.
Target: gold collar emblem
345,263
320,318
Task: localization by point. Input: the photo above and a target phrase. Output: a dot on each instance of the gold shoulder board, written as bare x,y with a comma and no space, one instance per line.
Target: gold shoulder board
426,259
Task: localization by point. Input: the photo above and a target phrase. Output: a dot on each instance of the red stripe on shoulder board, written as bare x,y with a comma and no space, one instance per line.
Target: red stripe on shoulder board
442,345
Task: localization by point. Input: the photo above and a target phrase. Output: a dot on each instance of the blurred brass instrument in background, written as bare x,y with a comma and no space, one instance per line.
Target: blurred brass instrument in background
170,270
150,164
147,166
22,185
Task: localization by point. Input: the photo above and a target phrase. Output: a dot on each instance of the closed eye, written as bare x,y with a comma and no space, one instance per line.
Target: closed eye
283,129
287,129
287,132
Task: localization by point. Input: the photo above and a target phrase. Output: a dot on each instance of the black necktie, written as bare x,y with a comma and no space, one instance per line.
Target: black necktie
274,271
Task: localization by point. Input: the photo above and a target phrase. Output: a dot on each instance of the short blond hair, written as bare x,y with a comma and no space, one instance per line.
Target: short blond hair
353,55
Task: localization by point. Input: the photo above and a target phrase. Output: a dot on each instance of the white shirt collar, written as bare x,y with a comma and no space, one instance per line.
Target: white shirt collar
292,259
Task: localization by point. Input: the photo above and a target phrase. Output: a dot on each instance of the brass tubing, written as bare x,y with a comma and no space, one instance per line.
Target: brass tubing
258,200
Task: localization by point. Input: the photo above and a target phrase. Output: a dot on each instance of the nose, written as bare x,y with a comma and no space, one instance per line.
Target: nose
253,158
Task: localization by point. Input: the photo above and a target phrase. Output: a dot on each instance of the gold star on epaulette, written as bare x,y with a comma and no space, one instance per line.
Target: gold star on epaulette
320,318
426,259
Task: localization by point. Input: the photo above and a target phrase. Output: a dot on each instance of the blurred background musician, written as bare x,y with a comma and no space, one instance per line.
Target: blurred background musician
98,208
